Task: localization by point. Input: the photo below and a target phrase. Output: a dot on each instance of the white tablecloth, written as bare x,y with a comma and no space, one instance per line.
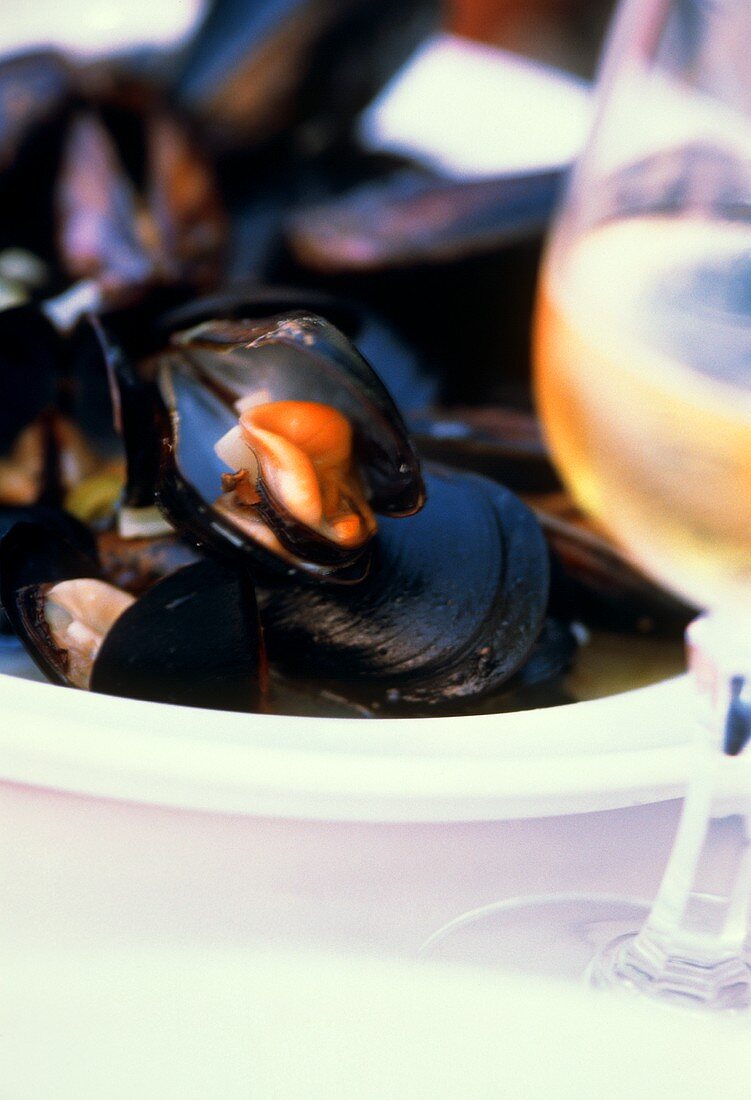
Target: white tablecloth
150,952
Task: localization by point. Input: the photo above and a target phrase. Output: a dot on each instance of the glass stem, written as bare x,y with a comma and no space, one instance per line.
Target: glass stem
691,946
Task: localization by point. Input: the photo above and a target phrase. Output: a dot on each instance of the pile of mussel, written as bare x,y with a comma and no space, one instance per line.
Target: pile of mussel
221,483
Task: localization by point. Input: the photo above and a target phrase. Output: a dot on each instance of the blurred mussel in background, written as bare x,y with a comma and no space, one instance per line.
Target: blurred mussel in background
102,179
294,74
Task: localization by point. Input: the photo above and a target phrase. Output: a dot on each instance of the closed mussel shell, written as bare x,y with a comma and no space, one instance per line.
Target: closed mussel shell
295,71
452,606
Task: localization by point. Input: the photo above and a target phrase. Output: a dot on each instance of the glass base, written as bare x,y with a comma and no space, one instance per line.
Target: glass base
635,963
548,936
592,940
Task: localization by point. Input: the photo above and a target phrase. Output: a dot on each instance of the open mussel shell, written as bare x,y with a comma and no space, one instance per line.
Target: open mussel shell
104,178
110,394
181,401
192,639
33,438
32,555
300,356
130,225
452,606
110,344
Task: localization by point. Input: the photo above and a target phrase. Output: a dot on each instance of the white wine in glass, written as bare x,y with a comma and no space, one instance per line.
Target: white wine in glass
643,353
643,383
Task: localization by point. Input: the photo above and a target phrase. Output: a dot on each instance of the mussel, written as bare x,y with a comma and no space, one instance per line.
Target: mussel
166,226
128,207
193,638
56,520
414,246
594,581
104,179
409,379
452,607
36,90
496,440
413,217
295,71
44,454
269,440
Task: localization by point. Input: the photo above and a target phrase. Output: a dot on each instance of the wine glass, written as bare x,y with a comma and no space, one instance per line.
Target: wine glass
643,384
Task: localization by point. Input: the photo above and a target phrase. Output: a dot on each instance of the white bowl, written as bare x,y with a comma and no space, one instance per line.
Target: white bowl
623,750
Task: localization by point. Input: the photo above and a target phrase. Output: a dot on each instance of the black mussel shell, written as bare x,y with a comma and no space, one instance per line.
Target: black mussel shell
405,377
295,71
180,403
35,94
551,656
43,451
103,177
56,416
193,638
110,393
452,606
412,218
34,88
54,520
110,345
593,582
129,227
32,361
495,440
